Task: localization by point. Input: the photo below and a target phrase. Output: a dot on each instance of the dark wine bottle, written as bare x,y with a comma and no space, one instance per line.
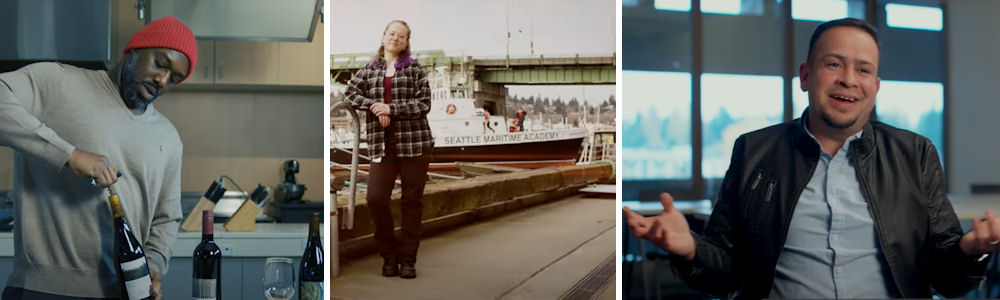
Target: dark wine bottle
130,261
207,259
311,270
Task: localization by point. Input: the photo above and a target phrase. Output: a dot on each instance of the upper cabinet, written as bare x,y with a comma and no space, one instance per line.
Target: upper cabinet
204,69
302,63
253,20
242,62
252,42
261,63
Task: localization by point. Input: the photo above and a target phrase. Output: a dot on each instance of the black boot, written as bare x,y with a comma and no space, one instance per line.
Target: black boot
408,270
390,267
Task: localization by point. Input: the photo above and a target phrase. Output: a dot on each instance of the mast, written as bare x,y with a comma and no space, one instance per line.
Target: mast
508,34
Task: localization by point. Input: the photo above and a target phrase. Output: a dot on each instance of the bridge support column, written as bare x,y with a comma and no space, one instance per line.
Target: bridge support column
490,96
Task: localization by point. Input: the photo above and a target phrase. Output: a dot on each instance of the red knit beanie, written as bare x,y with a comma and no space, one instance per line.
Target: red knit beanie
167,32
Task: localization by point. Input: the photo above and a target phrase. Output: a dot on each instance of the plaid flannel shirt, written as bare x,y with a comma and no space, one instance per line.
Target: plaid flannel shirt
411,101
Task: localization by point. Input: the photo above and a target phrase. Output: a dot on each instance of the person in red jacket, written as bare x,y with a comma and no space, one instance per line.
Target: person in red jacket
520,119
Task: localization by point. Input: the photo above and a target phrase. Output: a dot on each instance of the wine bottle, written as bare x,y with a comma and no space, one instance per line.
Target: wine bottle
130,261
311,270
207,259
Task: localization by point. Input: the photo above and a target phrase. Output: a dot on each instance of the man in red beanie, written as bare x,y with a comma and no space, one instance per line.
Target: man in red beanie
68,125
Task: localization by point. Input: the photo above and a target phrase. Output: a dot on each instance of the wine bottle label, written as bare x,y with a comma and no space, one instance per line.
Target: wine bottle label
203,289
310,290
136,275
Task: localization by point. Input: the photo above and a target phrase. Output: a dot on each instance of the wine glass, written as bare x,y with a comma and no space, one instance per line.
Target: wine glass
279,278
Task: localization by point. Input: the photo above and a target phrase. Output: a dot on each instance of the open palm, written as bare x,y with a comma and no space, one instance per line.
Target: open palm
669,230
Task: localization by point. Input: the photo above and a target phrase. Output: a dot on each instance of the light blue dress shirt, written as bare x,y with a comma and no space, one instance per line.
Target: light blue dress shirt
832,250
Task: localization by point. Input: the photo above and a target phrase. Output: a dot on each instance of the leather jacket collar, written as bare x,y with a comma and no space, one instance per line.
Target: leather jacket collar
805,143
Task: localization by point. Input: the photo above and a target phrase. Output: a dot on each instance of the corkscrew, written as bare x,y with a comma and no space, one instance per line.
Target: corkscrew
93,181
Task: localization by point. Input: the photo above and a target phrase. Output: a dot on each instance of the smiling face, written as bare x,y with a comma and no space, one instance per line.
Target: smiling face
150,72
396,38
842,79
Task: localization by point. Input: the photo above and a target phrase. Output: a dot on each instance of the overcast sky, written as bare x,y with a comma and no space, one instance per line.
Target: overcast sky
479,27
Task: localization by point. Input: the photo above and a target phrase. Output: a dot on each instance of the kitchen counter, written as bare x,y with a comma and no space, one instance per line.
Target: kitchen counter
244,256
269,239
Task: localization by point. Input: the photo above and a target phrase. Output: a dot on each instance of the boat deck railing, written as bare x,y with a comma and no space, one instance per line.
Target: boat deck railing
355,153
600,150
349,222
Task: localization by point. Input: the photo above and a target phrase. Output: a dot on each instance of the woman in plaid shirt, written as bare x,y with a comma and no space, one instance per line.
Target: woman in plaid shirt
394,92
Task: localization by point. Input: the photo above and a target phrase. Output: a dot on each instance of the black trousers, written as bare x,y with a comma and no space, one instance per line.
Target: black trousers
412,172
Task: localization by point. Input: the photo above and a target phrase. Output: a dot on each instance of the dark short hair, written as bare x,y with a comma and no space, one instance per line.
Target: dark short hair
845,22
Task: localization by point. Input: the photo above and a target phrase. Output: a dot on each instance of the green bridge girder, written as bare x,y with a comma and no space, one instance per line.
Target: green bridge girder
549,75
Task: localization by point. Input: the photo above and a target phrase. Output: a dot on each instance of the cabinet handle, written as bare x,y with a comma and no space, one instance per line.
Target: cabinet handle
220,69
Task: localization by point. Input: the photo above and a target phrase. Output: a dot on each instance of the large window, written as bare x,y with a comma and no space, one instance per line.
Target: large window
676,5
800,99
656,125
733,105
914,106
912,68
914,17
819,10
726,7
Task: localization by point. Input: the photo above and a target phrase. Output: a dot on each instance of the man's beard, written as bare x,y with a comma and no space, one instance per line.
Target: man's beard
130,85
833,123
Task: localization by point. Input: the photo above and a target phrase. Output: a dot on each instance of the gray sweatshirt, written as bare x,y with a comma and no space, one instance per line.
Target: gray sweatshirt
63,229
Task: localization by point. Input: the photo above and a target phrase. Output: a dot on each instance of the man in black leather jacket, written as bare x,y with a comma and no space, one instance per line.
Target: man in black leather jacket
898,177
